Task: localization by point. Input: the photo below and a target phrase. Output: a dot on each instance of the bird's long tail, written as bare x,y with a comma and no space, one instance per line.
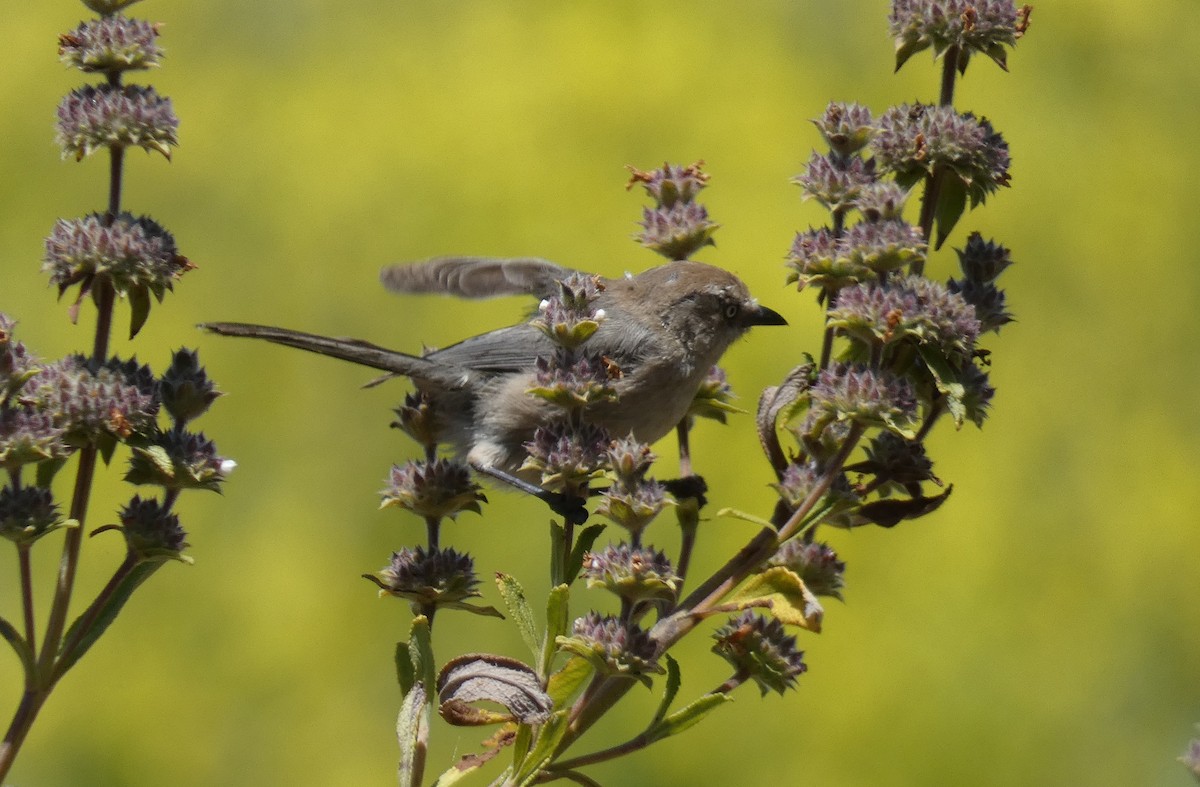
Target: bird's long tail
353,350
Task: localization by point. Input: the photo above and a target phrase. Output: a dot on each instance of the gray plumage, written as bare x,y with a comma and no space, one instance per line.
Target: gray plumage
664,329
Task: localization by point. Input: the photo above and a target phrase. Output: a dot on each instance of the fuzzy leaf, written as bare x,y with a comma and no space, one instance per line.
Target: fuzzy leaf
480,677
734,513
412,733
946,377
518,609
587,537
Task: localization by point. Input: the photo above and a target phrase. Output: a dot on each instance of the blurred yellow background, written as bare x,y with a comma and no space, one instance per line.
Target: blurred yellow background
1040,628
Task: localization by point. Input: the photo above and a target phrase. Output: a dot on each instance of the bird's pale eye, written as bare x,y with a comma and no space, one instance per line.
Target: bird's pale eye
732,310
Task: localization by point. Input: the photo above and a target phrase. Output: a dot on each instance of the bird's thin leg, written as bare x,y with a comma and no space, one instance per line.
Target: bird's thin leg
569,508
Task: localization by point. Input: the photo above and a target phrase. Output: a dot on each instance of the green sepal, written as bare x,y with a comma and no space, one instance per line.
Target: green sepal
73,648
518,609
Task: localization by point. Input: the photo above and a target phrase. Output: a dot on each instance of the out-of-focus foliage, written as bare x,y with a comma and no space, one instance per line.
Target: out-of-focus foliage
1039,628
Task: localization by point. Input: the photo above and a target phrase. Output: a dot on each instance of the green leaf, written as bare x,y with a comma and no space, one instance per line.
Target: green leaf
77,640
563,684
518,609
734,513
669,691
420,648
686,717
549,736
139,305
587,537
890,512
781,591
24,652
405,674
47,470
412,733
946,378
951,200
558,549
557,621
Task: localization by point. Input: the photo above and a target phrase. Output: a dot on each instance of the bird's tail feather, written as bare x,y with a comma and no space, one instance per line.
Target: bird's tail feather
352,350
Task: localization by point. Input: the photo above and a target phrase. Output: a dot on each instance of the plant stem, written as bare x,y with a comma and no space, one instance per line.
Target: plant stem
27,596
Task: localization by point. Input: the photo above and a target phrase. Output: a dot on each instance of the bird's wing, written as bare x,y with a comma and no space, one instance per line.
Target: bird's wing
475,277
511,349
517,348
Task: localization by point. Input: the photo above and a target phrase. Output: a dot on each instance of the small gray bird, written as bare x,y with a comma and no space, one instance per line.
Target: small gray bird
664,329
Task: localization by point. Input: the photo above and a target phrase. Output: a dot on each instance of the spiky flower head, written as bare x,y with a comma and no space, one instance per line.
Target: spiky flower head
17,365
112,116
857,393
633,505
570,317
1191,757
815,563
676,232
96,403
867,249
882,200
28,436
574,379
977,398
907,308
982,262
567,455
151,531
179,460
834,180
800,480
914,140
629,458
186,390
135,255
760,649
896,461
433,577
634,573
846,128
433,489
984,26
714,398
613,647
671,183
27,514
111,45
420,419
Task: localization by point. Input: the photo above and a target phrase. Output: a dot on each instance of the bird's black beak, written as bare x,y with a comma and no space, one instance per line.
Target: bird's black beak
761,315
